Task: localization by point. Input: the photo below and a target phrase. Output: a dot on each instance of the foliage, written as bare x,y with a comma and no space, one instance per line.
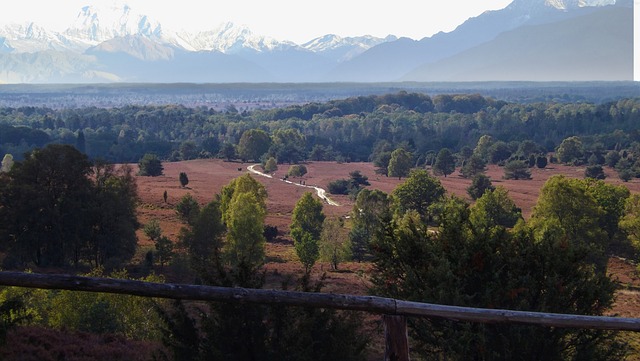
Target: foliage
288,145
245,240
473,166
517,169
630,222
334,245
152,230
571,150
418,193
271,165
339,186
54,214
474,261
187,208
253,144
541,161
297,170
306,228
130,316
400,163
595,172
495,207
445,163
479,185
164,248
243,184
369,208
184,179
150,165
203,241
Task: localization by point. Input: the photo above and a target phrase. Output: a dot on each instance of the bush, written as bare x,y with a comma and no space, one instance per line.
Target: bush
595,172
340,186
297,170
517,169
150,165
270,232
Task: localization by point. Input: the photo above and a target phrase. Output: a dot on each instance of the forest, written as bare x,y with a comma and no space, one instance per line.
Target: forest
59,178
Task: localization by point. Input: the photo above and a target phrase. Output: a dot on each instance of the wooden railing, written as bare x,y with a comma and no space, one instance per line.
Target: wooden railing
394,310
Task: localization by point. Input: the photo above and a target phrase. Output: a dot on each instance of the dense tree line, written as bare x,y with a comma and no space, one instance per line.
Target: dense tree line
58,209
355,129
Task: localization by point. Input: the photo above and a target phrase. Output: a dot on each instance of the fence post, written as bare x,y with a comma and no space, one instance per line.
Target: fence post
396,340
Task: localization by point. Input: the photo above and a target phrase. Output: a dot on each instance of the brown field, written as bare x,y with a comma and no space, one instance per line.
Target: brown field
207,177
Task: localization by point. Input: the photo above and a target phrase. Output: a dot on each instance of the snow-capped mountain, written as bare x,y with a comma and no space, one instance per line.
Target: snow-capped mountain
230,38
343,49
30,38
114,42
95,24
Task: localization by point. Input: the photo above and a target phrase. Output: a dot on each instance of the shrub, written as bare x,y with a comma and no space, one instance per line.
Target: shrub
297,170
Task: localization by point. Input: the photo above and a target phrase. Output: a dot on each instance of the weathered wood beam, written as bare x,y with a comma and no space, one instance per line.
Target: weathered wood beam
379,305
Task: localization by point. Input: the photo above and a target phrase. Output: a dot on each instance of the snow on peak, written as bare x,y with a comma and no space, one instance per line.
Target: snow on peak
29,38
107,20
559,4
231,38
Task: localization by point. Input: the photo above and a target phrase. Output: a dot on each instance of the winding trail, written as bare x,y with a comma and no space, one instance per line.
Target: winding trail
319,191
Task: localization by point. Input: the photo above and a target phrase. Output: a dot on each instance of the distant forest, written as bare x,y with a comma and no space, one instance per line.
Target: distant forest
353,129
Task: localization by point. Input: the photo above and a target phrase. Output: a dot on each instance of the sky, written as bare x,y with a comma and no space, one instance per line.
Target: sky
294,20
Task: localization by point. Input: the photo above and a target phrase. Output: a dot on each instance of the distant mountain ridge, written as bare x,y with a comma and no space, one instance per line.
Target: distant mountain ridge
108,43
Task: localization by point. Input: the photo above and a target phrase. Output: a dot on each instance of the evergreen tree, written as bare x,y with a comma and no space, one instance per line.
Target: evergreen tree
184,180
150,165
306,228
445,163
400,163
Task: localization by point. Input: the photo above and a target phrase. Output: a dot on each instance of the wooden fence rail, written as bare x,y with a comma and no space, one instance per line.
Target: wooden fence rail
372,304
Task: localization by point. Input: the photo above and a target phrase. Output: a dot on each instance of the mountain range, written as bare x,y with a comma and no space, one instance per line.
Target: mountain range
531,40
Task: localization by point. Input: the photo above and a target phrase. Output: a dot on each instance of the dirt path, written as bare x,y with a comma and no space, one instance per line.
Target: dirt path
319,191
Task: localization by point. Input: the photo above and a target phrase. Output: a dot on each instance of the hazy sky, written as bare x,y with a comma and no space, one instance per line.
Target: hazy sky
295,20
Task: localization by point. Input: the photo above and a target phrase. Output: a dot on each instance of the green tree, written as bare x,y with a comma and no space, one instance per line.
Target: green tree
498,152
517,169
187,208
152,230
164,248
482,147
334,245
541,161
565,206
297,170
473,166
369,208
630,222
595,172
245,240
470,256
445,163
203,242
243,184
228,151
418,193
150,165
306,228
51,208
479,185
271,165
495,207
184,180
188,150
570,150
253,144
400,163
288,145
